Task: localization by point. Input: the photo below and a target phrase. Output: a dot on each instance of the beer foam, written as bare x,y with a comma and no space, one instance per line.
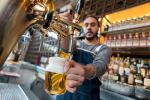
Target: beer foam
56,65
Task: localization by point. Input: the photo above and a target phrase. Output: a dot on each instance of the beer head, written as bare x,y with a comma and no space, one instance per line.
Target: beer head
56,65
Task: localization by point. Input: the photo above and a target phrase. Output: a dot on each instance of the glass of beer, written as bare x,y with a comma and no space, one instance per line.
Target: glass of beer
55,79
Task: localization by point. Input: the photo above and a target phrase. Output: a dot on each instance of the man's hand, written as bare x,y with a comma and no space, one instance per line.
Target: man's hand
75,75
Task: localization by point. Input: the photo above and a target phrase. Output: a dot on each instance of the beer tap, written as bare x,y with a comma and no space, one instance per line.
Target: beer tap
49,14
48,19
78,9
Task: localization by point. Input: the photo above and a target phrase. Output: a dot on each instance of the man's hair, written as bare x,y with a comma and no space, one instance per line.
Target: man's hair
96,18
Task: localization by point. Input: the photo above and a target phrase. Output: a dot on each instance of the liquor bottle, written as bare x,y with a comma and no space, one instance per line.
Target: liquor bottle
147,79
143,69
143,39
136,40
109,41
131,78
113,43
118,41
124,41
126,69
139,78
115,68
121,72
130,40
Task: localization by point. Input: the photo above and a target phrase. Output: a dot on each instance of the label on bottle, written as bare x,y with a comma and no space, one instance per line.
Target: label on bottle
143,42
116,78
121,71
109,41
138,81
131,79
129,42
143,72
113,43
146,82
124,43
118,43
127,71
136,42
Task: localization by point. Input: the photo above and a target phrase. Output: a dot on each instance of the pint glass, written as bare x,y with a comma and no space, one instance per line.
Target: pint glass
55,79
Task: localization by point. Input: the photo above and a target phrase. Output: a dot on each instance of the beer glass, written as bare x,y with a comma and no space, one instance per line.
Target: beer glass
55,79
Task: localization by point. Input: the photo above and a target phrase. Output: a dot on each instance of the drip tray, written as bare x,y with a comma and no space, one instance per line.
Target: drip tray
12,92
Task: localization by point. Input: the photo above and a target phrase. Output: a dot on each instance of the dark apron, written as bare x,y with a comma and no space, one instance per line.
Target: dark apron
90,89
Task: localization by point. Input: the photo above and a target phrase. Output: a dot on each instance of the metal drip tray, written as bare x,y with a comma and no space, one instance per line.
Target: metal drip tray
12,92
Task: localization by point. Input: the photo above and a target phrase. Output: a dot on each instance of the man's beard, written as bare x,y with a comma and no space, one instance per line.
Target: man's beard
93,36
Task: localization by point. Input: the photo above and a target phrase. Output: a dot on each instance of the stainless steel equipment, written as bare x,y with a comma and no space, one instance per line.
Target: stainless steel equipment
13,23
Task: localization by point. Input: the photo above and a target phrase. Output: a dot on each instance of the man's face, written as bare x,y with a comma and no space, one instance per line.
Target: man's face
90,28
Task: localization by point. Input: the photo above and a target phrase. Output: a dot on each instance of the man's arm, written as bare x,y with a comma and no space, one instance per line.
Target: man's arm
100,63
76,73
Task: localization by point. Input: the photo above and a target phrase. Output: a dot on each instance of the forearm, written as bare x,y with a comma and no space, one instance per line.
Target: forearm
94,70
99,65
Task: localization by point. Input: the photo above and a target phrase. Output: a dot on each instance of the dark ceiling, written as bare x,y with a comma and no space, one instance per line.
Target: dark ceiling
102,7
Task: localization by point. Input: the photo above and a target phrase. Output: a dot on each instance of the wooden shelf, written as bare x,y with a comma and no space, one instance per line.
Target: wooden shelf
130,30
143,52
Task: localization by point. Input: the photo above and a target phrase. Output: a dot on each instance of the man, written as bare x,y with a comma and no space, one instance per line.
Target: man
89,62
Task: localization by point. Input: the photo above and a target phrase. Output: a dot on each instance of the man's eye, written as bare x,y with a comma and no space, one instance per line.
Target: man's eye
93,24
86,25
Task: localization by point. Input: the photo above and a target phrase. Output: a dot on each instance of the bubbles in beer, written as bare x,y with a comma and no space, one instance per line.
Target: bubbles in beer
55,79
55,83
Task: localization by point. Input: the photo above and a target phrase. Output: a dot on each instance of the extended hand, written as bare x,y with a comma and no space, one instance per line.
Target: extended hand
75,75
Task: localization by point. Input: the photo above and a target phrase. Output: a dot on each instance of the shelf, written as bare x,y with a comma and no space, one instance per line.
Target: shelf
131,29
138,92
132,51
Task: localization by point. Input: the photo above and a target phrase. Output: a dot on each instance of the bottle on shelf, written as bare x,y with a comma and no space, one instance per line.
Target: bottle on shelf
126,69
109,41
136,40
121,71
130,40
143,69
124,41
143,39
115,68
131,78
147,77
113,42
139,77
118,41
